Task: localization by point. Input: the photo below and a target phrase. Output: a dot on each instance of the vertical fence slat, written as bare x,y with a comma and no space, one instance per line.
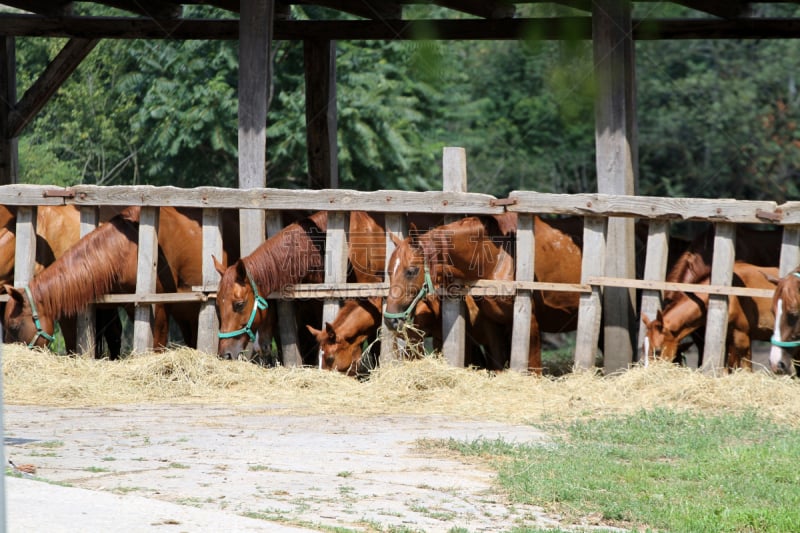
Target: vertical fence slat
717,313
207,322
87,334
25,252
395,224
287,325
335,259
655,268
523,301
590,309
454,324
146,278
790,249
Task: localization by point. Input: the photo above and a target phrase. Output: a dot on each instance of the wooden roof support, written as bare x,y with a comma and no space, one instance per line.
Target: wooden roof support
8,96
49,82
321,115
155,9
727,9
49,8
369,9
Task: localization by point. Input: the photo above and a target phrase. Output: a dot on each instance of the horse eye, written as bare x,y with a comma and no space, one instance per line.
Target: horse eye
412,271
238,306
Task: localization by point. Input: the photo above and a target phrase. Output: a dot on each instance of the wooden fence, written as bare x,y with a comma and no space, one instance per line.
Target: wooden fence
596,209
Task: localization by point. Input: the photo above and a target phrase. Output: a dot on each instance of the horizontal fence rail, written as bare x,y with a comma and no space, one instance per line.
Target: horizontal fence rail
594,208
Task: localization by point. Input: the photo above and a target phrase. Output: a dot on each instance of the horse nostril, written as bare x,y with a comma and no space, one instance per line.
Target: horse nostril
393,323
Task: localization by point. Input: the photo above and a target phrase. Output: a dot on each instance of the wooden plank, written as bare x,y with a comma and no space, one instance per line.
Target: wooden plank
146,278
717,314
8,97
208,323
790,249
46,85
682,287
721,210
590,308
287,199
25,252
335,259
655,268
523,301
615,142
86,334
321,125
395,224
26,194
287,323
454,324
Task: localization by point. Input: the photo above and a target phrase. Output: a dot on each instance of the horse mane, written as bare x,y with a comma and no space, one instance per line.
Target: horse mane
790,292
295,253
88,269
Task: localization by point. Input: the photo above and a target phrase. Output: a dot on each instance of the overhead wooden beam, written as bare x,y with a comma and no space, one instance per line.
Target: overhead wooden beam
8,97
321,119
366,9
50,8
548,29
156,9
489,9
727,9
49,82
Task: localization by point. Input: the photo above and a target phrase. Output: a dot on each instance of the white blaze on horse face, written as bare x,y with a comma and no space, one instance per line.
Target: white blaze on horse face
395,266
646,350
776,353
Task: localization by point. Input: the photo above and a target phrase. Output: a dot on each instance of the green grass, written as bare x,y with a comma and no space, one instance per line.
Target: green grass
661,470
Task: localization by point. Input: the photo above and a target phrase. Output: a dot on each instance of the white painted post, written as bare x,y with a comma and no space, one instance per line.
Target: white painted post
454,324
523,301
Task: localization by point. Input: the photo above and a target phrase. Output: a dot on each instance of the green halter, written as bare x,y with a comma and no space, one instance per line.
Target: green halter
427,288
259,303
35,315
776,341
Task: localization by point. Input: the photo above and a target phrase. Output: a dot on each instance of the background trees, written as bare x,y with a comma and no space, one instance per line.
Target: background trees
716,118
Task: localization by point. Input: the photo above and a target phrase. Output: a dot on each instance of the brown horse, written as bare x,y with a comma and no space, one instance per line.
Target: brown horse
57,229
294,255
748,318
783,355
482,248
104,262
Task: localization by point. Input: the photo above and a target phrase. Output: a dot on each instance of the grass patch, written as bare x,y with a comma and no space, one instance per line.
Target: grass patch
660,469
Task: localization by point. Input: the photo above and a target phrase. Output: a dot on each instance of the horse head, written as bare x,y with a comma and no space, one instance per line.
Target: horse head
336,352
242,312
23,320
409,279
786,333
660,342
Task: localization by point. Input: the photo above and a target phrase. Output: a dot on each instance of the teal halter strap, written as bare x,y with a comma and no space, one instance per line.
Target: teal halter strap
776,341
35,315
427,288
258,303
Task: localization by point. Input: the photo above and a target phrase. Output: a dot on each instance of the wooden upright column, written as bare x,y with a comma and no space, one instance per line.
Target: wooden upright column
8,99
454,324
320,66
615,139
255,74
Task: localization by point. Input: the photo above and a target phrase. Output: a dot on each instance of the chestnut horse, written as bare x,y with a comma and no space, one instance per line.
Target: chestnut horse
783,355
57,228
748,318
104,262
293,255
482,248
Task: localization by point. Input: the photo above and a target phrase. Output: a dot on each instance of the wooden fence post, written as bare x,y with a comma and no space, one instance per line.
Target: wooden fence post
25,252
590,308
523,301
146,278
790,249
454,166
717,312
287,324
335,260
655,268
85,323
207,322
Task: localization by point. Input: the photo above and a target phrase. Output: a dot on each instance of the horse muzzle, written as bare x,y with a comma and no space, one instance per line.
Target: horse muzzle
394,324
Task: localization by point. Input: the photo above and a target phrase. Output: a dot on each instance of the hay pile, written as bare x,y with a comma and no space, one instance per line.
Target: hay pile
427,386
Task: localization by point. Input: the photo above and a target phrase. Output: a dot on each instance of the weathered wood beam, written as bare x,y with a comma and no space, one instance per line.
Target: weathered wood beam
496,9
727,9
551,28
49,82
8,97
321,119
50,8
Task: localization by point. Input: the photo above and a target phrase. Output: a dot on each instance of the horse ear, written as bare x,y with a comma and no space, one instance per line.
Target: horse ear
314,331
413,234
660,316
218,265
395,239
646,320
772,279
241,271
330,331
14,293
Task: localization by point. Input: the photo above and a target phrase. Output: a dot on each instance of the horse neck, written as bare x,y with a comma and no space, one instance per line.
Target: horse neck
464,249
685,314
88,270
355,319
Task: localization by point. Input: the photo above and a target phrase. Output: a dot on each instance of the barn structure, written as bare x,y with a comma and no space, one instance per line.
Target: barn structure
257,23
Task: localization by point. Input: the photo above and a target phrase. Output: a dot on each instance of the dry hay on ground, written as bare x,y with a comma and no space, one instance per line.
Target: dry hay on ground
427,386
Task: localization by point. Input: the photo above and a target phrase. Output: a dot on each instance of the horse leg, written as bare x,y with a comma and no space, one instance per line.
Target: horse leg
160,327
739,351
535,347
69,330
108,327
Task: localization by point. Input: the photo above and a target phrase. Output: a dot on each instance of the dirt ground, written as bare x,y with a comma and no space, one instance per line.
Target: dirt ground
317,472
